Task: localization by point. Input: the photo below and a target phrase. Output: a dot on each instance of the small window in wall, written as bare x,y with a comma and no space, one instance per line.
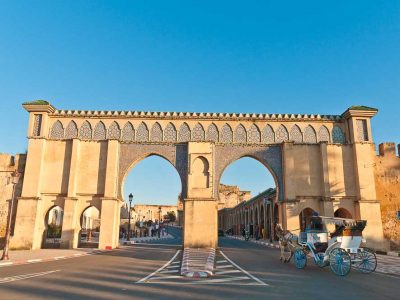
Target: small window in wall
362,131
37,124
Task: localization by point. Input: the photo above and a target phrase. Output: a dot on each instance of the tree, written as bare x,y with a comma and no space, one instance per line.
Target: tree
171,216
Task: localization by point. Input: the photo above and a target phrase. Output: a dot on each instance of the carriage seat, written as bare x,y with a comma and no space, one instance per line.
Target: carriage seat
320,247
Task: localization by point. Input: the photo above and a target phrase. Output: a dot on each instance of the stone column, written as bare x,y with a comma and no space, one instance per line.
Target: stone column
201,209
71,220
110,204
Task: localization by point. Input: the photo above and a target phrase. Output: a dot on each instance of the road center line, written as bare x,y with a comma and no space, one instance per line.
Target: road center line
244,271
158,270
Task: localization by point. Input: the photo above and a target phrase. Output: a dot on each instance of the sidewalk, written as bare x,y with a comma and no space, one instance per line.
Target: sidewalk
18,257
262,242
145,239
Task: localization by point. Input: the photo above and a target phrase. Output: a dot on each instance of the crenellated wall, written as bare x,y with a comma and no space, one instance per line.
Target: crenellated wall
387,180
8,164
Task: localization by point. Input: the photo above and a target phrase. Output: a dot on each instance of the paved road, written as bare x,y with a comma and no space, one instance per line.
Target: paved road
246,271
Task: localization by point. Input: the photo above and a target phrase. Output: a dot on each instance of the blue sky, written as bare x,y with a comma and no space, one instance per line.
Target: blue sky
229,56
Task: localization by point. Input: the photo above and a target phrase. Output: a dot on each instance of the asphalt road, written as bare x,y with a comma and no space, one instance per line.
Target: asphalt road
115,275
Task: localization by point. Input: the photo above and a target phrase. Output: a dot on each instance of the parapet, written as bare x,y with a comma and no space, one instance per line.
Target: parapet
9,163
388,149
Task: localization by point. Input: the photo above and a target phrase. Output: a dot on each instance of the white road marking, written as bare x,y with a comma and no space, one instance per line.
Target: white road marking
59,257
223,267
173,267
169,271
160,269
227,272
244,271
220,280
167,277
221,261
175,262
25,276
6,263
34,260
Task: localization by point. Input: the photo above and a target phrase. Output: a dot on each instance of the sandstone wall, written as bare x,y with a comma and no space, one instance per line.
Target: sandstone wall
8,164
387,180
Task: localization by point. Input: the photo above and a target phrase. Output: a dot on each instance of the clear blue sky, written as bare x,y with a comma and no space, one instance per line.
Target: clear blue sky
229,56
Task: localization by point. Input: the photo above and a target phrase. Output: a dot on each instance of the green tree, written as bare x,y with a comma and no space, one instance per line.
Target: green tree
171,216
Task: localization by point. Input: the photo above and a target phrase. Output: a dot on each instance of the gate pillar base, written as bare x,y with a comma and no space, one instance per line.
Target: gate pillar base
200,223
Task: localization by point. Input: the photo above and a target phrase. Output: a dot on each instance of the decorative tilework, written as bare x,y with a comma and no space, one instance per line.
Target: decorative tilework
170,133
85,132
226,134
128,132
184,133
362,130
310,137
268,135
57,131
198,133
295,134
156,133
114,132
212,133
99,132
71,132
338,136
142,134
323,134
254,135
37,125
282,134
240,134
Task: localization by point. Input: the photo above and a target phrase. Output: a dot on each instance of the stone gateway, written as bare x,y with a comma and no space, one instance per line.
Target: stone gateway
79,159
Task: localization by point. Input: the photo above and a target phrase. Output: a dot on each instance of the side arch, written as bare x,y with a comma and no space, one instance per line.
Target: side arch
295,134
57,131
71,131
156,134
99,131
310,136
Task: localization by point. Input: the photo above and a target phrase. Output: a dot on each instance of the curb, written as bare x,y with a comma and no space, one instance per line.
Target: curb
266,244
39,260
147,240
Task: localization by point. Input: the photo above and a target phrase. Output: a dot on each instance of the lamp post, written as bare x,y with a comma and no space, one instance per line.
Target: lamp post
159,221
129,224
15,178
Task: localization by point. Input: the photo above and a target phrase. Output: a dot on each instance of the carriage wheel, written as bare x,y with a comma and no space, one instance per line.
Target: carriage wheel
340,262
365,261
300,259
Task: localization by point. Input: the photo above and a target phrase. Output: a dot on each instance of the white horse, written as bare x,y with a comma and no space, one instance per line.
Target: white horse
285,243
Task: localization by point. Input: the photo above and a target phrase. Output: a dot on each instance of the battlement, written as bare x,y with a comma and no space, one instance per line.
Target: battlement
388,150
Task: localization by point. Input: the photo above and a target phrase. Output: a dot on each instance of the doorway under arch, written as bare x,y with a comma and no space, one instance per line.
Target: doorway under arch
90,228
53,227
305,218
343,213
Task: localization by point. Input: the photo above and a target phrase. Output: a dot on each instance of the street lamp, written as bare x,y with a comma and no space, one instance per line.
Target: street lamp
15,178
129,224
159,221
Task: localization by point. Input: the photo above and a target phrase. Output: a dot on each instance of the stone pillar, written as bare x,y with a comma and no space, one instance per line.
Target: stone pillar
201,209
71,220
367,206
110,204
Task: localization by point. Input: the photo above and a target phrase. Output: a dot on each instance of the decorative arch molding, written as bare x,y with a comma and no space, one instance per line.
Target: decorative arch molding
71,132
338,136
99,131
270,157
85,131
310,136
142,134
57,131
323,134
198,133
226,134
240,134
156,134
128,132
295,134
184,133
131,154
268,135
114,132
170,133
254,135
282,134
212,133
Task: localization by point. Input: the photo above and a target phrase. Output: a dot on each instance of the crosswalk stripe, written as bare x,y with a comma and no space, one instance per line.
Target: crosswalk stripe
224,267
221,261
221,280
227,272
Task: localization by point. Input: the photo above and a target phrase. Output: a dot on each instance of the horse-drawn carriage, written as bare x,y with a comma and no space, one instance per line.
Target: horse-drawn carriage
341,250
